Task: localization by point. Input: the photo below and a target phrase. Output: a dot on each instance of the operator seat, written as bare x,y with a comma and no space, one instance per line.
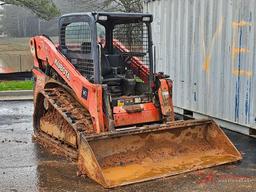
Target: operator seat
110,63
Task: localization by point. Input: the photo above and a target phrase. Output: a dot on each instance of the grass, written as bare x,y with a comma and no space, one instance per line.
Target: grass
16,85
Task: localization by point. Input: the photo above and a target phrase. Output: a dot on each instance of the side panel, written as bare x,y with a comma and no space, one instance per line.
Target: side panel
140,114
165,99
39,82
88,94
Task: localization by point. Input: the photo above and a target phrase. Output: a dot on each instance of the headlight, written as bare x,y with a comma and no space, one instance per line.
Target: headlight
146,19
103,18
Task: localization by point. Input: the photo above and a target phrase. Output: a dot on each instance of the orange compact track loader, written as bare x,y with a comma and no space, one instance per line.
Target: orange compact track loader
99,100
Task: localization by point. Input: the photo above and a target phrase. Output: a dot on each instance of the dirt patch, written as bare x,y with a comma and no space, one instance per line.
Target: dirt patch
14,141
156,152
54,117
55,148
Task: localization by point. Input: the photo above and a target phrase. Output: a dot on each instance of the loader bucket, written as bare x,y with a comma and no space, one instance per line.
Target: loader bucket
115,159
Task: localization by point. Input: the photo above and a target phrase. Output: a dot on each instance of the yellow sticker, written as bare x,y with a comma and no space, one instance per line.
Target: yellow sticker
120,103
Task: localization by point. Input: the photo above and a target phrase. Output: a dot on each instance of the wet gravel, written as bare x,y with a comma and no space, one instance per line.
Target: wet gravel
25,166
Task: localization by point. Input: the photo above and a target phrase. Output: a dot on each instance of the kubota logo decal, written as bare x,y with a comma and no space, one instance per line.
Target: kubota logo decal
62,69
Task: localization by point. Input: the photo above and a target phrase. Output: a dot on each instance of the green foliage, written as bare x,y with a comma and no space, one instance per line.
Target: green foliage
16,85
45,9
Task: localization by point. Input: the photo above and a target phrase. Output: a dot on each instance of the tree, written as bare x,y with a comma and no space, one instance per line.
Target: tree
124,5
44,9
110,5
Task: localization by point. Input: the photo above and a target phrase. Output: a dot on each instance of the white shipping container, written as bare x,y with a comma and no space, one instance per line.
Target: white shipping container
208,49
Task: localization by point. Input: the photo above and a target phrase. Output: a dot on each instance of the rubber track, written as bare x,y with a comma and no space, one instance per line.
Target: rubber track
73,113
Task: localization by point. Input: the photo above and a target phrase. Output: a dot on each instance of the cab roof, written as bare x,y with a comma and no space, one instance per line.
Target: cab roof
114,17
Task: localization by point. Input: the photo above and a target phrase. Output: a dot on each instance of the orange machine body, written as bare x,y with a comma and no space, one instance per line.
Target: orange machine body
46,53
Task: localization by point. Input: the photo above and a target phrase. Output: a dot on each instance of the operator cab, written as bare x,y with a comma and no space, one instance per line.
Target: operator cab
122,37
114,49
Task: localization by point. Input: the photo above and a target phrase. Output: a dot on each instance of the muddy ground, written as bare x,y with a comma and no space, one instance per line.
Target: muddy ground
25,166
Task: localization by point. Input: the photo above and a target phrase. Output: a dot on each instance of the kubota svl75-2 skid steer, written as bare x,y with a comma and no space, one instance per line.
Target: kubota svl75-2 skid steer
99,100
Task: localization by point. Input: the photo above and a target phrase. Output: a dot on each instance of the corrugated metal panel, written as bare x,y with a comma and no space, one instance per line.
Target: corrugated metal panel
208,49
